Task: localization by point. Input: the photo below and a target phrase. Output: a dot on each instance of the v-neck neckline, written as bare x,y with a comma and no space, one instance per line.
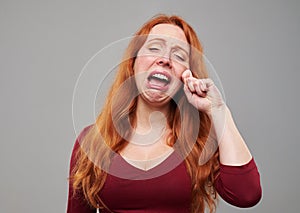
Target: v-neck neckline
125,170
164,158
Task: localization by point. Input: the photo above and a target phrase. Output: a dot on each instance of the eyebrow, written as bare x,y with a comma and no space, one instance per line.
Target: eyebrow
164,41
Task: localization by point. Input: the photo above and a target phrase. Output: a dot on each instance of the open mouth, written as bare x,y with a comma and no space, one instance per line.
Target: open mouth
159,80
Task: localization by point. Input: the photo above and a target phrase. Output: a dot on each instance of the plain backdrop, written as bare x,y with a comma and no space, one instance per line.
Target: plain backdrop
44,46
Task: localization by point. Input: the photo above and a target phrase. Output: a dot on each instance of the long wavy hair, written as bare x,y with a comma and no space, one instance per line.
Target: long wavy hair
93,157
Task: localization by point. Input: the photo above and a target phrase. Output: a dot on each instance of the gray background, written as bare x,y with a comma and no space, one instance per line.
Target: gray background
253,46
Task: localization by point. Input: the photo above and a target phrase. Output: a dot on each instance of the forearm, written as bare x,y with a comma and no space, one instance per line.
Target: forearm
232,147
239,185
205,96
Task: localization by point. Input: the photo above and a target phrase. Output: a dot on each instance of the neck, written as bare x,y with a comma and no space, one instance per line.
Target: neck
148,116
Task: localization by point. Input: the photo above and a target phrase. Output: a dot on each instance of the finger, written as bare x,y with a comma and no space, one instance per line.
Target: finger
199,89
186,74
207,82
193,98
188,93
203,85
190,84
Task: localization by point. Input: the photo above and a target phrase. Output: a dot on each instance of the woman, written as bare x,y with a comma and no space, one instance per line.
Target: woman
165,140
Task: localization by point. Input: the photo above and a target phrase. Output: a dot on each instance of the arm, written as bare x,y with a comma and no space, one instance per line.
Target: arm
238,182
205,96
239,185
232,147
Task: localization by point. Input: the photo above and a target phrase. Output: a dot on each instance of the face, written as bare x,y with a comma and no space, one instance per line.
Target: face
160,63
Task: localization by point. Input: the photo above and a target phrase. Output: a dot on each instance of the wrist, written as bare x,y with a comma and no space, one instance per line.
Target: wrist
217,110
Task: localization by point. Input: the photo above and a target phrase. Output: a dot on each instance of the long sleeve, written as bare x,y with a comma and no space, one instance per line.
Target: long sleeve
77,202
239,185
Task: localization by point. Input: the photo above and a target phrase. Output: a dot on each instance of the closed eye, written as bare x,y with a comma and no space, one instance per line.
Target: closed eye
179,57
155,46
153,49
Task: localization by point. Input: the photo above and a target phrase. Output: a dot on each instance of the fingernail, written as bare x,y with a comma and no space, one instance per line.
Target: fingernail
190,72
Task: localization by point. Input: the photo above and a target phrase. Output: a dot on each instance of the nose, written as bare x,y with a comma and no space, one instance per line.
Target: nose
164,61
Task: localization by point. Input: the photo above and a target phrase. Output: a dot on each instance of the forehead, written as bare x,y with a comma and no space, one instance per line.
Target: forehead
169,30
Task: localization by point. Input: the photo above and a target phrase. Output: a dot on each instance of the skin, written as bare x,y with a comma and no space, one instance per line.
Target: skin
161,52
201,93
204,95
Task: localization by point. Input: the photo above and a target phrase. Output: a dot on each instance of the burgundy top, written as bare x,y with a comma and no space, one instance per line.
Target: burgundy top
166,187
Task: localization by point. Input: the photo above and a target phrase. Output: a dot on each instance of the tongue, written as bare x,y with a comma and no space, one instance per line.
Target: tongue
157,82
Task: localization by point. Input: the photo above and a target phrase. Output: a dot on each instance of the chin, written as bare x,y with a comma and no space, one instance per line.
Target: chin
156,98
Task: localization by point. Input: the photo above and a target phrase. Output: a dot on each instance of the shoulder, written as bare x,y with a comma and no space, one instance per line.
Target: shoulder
79,138
83,132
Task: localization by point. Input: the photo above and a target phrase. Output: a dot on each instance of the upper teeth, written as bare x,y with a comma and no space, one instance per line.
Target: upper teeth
161,76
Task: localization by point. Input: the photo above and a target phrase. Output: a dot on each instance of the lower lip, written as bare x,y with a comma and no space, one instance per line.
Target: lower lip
149,85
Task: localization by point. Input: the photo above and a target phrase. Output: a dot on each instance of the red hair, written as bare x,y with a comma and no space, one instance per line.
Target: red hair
93,158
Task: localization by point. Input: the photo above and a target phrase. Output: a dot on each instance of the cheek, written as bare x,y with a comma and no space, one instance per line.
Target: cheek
142,63
179,69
